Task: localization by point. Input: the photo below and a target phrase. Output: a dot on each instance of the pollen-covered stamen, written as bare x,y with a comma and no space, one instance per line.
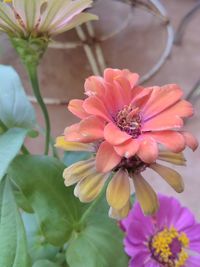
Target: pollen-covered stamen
129,120
168,247
133,165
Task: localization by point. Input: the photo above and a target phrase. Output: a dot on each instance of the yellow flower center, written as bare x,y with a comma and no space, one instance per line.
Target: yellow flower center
168,247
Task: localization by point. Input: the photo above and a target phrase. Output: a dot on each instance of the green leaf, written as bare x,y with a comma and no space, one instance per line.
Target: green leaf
45,263
15,109
38,248
13,247
71,157
57,210
10,144
98,245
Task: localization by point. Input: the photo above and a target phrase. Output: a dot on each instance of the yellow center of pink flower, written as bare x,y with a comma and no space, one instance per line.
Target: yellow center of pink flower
168,247
129,120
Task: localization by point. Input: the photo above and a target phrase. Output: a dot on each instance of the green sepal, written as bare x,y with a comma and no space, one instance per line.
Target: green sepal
30,50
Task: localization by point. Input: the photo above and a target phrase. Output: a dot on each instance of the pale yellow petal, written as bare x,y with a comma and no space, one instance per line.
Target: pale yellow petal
74,22
72,146
172,177
145,195
174,158
118,190
90,187
78,171
120,214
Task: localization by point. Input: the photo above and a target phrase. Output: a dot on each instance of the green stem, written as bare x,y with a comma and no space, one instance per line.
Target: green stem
32,71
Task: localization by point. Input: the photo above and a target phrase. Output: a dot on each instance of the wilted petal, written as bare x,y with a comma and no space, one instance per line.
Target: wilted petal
172,177
118,190
90,187
106,158
145,195
78,171
119,214
174,158
73,146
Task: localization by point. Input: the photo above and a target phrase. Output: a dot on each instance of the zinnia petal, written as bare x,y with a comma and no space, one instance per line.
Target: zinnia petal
148,150
92,127
78,171
119,214
127,149
94,106
114,135
190,140
106,158
145,195
161,98
94,86
172,140
76,107
90,187
118,190
172,177
73,146
174,158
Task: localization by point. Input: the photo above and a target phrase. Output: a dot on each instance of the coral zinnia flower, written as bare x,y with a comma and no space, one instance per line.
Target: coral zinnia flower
131,120
36,18
170,238
124,177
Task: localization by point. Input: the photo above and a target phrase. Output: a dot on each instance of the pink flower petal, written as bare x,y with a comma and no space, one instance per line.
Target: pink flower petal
162,122
125,88
127,149
72,133
114,135
162,98
94,86
92,127
174,141
190,140
148,150
94,106
76,107
106,158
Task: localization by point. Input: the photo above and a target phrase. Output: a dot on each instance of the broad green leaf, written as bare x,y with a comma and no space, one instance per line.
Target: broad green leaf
45,263
13,247
57,210
15,109
100,244
10,144
71,157
37,246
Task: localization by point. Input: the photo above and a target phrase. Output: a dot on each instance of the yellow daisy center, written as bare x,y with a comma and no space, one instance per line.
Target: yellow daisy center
168,247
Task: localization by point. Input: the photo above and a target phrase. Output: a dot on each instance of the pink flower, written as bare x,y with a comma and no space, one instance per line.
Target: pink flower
129,120
170,238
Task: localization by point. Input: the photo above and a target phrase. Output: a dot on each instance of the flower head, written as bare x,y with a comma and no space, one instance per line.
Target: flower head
130,119
171,238
39,18
126,127
125,176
